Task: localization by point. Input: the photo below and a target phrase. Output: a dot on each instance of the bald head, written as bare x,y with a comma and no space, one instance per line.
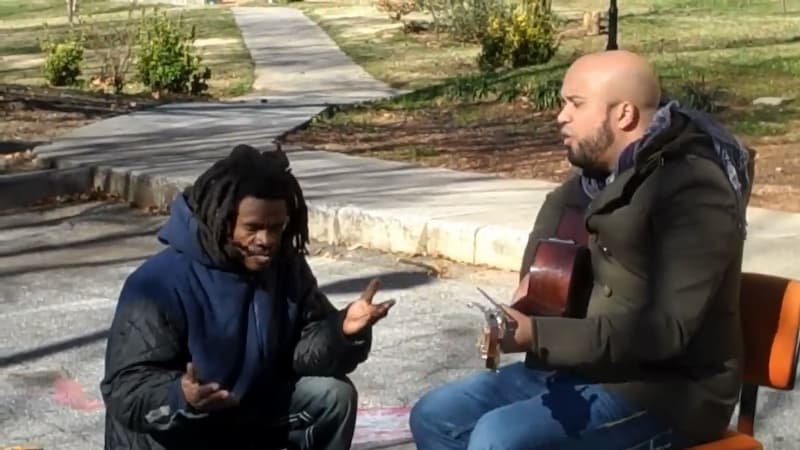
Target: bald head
610,98
619,76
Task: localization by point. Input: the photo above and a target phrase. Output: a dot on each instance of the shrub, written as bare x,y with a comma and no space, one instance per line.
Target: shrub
470,18
524,35
166,60
63,59
116,49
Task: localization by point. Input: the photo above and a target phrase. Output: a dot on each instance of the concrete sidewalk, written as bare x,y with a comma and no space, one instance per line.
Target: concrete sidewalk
472,218
149,156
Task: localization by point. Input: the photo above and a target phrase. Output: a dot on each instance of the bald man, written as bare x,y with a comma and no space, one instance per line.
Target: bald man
655,361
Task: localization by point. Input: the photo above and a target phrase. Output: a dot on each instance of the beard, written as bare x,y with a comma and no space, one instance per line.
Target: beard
587,153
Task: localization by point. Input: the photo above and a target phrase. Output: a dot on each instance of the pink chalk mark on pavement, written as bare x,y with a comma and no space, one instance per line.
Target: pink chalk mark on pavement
71,394
374,425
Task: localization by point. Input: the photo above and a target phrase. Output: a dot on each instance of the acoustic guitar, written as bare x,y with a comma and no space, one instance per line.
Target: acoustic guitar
558,283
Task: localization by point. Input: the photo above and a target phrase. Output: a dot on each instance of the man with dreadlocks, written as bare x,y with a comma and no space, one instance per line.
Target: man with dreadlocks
223,339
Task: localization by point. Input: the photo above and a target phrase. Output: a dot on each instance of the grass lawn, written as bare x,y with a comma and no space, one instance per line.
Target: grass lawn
745,53
22,24
731,50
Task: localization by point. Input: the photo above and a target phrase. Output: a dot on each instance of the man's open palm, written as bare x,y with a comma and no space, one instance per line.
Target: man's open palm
363,312
204,397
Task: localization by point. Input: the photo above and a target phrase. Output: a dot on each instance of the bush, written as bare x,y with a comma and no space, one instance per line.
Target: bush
63,59
469,19
166,60
524,35
116,49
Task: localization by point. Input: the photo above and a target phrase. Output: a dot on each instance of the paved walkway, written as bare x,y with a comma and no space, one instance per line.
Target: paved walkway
148,156
295,59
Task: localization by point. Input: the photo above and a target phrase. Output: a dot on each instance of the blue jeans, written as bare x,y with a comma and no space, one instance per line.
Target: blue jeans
527,409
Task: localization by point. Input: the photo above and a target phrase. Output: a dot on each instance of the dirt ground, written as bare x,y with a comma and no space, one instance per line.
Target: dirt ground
512,140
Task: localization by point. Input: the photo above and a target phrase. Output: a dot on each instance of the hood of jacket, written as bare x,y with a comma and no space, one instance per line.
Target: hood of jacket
181,232
237,323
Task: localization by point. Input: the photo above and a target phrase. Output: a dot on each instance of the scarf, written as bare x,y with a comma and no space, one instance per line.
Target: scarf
733,157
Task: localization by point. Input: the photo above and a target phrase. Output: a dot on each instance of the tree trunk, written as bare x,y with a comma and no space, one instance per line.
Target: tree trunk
72,10
612,26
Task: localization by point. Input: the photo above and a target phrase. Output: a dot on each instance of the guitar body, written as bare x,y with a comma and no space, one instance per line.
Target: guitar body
558,283
559,280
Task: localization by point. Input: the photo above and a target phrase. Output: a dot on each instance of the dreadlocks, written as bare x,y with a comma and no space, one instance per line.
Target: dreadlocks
214,198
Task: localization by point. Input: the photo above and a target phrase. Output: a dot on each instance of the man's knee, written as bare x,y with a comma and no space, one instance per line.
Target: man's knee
342,396
336,398
443,413
429,409
488,434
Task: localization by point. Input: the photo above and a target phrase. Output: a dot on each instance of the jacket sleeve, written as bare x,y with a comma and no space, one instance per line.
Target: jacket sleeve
323,349
141,387
547,219
696,237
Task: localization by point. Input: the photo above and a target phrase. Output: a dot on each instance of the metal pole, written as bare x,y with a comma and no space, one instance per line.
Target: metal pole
612,25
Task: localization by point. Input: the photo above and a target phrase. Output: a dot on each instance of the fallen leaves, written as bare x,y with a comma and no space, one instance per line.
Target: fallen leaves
433,269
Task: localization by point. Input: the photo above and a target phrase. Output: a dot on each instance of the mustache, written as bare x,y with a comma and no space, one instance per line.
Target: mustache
255,250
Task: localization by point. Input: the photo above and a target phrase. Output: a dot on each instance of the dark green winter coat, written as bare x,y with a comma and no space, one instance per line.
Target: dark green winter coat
662,328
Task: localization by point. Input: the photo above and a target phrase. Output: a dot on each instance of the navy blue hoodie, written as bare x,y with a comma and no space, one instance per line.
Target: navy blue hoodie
236,324
254,335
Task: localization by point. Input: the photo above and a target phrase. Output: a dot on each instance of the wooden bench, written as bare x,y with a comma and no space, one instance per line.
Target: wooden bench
770,309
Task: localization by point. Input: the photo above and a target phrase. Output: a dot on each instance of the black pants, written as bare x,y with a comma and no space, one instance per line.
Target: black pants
322,414
319,414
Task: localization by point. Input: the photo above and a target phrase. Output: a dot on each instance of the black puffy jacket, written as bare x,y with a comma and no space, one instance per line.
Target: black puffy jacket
157,330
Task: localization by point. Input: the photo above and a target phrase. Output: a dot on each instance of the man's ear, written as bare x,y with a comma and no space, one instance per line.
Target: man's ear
627,116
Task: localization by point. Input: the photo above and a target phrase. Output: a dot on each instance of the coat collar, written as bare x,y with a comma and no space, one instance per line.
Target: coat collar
646,157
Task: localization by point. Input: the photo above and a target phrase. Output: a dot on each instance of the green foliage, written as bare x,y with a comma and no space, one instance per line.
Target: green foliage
546,95
698,94
167,62
543,95
63,59
470,88
702,96
522,35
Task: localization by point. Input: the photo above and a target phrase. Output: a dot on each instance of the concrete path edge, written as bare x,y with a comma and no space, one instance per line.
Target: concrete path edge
26,188
495,247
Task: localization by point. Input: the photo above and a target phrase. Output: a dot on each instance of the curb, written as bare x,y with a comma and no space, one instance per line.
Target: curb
497,247
26,188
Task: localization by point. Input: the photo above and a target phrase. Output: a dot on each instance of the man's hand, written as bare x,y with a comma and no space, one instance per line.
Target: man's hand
522,339
363,313
204,397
